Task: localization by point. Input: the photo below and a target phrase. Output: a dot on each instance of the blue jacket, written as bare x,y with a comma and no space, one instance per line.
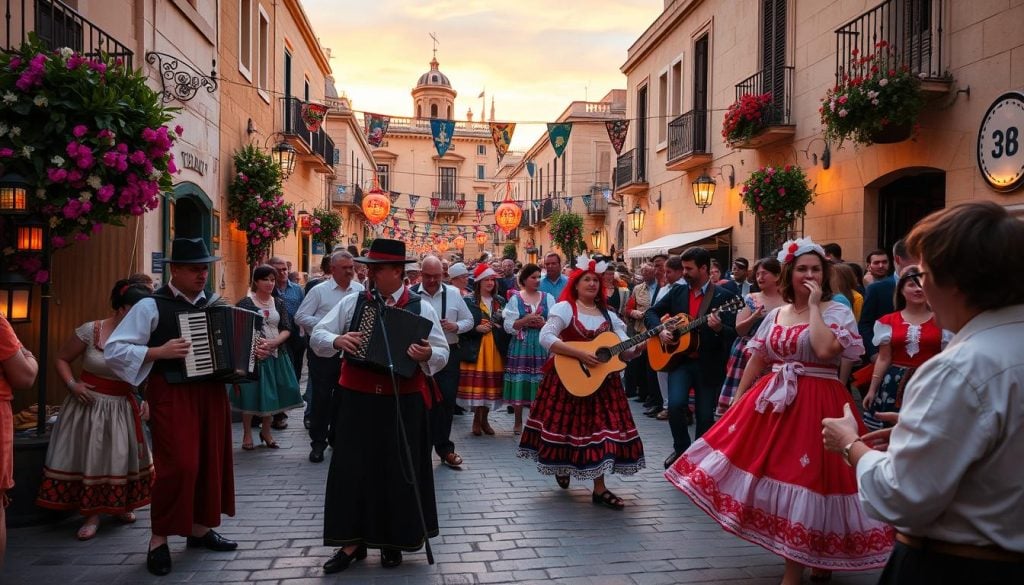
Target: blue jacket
713,347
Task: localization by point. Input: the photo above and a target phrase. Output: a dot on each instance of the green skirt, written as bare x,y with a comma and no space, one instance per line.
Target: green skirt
276,391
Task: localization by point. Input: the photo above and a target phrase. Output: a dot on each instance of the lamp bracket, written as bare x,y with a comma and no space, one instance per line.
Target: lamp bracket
178,79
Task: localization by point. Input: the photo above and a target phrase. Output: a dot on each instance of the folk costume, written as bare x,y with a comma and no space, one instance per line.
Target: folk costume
762,471
526,356
582,437
369,498
483,371
277,390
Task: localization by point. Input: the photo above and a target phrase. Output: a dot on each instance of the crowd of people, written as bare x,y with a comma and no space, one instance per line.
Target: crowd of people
838,411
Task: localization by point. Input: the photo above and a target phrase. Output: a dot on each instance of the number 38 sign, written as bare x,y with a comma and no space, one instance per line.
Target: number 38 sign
1001,142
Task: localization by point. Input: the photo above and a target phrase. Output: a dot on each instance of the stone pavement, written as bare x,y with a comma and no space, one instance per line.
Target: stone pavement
501,522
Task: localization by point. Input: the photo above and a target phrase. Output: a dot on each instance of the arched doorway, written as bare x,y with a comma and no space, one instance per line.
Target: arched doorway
188,213
904,197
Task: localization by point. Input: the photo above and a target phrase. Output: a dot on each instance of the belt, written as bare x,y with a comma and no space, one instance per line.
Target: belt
968,551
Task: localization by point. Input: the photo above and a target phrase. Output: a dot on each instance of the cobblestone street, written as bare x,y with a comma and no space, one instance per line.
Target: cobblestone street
501,522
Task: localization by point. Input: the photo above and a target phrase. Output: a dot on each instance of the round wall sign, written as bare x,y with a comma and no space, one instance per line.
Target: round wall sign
1001,142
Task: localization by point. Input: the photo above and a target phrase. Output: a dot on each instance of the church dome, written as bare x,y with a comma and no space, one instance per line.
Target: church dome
434,77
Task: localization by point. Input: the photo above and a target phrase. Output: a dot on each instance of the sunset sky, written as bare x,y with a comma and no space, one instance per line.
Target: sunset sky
532,56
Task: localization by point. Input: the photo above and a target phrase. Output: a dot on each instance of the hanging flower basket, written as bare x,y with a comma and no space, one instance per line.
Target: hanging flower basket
876,101
256,203
747,117
566,231
325,227
777,195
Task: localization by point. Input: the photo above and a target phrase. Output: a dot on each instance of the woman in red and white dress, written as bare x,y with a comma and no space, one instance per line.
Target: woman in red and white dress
762,472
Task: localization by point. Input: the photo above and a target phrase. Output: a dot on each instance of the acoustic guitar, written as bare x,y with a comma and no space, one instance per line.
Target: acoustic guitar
583,380
663,356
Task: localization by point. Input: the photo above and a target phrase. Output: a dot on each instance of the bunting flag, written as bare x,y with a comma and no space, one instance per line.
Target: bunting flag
607,193
531,167
394,198
586,200
376,126
558,134
502,132
495,205
435,202
312,115
519,204
460,203
617,130
568,203
442,130
430,215
413,200
409,212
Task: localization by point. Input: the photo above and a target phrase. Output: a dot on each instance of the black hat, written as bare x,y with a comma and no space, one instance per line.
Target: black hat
190,251
385,251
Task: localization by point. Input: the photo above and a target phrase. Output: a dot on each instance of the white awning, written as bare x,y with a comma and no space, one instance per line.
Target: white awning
673,243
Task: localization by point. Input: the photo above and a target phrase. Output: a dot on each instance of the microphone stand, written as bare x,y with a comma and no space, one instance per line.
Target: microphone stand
403,436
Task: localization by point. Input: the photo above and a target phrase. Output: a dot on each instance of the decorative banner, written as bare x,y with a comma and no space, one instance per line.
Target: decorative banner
313,115
494,205
413,200
430,215
410,211
376,126
435,202
443,130
394,196
607,193
531,167
502,132
617,130
587,199
568,203
558,134
519,204
461,204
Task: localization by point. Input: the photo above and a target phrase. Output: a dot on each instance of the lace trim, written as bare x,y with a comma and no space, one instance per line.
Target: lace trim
913,339
607,466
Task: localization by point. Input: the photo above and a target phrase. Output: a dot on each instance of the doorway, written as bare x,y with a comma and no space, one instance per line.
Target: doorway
905,200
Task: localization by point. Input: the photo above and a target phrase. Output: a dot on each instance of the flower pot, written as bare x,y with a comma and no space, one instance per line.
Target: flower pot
892,133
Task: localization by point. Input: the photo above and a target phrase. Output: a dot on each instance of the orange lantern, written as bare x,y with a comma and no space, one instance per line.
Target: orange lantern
376,206
442,246
481,238
459,242
508,215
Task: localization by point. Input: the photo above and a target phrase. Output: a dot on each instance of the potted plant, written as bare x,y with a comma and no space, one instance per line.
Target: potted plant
747,117
256,203
877,101
566,229
325,227
88,136
509,251
777,195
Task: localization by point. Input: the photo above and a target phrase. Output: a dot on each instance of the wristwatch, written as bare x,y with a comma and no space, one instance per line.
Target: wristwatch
846,450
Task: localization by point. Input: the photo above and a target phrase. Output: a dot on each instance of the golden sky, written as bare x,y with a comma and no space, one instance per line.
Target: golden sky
532,56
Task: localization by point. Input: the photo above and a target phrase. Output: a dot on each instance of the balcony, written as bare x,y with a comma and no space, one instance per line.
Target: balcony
912,29
631,172
451,203
598,204
688,144
317,147
529,220
58,25
778,82
547,208
346,195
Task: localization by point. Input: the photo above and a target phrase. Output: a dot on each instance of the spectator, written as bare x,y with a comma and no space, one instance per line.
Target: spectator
833,253
878,266
291,294
18,369
844,283
554,281
878,297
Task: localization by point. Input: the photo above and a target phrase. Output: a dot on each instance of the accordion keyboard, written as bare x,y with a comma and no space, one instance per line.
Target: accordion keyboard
366,323
199,360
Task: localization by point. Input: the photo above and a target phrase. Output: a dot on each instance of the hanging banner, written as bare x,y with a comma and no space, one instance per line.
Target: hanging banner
502,132
376,126
442,131
587,199
413,200
409,212
313,115
531,167
435,202
558,134
430,215
607,193
617,130
460,203
494,205
394,197
568,203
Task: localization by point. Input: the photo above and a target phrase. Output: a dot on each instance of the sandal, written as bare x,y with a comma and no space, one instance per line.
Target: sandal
608,500
88,530
270,443
562,481
126,518
452,460
247,445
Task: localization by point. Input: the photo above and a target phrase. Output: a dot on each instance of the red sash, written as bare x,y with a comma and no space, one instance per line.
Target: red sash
117,388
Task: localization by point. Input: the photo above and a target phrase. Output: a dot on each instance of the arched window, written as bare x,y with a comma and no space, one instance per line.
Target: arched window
449,112
433,110
419,111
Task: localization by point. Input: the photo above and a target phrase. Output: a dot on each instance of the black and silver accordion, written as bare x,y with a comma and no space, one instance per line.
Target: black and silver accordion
223,345
403,329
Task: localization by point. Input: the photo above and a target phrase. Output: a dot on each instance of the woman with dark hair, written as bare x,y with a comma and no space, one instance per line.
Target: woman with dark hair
765,458
905,339
483,360
615,296
589,436
748,320
525,313
277,389
98,461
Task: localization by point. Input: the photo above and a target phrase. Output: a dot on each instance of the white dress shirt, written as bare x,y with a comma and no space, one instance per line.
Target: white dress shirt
321,299
457,311
953,468
336,323
560,316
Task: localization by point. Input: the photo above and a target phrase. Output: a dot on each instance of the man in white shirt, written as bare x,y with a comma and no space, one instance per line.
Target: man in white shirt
455,319
948,475
323,371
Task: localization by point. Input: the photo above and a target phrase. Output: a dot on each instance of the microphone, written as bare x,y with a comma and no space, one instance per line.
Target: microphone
377,297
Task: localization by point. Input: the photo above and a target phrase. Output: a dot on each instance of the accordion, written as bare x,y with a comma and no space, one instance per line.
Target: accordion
223,345
403,328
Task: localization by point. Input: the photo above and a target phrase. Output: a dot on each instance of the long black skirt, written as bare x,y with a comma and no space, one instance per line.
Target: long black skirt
370,498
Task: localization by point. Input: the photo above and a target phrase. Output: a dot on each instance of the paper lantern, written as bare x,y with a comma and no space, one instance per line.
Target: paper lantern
507,216
459,242
442,246
481,238
376,206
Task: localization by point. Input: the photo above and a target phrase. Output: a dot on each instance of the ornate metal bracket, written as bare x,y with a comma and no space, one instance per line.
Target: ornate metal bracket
182,84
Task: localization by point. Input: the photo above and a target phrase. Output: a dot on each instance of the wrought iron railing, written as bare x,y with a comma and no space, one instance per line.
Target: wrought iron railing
319,143
687,134
547,207
778,82
57,25
598,204
912,29
449,201
631,167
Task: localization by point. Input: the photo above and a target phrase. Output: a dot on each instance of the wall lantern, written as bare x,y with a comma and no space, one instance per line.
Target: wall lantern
376,206
284,156
703,192
636,219
30,238
507,216
15,297
597,240
13,194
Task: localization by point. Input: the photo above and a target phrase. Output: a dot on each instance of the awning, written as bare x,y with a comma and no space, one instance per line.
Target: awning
673,243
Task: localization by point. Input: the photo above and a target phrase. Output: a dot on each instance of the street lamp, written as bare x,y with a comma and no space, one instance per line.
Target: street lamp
284,156
636,219
15,297
13,195
703,192
597,240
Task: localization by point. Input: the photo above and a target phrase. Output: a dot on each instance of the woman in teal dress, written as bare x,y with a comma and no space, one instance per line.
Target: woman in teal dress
524,315
277,389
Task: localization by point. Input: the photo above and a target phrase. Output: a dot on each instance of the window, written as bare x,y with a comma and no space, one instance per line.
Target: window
449,113
245,38
773,53
305,89
662,107
676,88
481,149
481,172
433,110
263,53
384,177
480,201
446,183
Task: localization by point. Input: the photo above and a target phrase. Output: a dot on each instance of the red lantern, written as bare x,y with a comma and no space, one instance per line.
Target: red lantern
508,215
442,246
481,238
376,206
459,242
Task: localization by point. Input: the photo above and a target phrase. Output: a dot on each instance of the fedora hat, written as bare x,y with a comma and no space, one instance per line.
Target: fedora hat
190,251
385,251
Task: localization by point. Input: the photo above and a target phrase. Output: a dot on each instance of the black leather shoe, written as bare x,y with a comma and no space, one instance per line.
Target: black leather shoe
654,410
212,541
390,558
316,455
307,423
671,459
158,561
340,561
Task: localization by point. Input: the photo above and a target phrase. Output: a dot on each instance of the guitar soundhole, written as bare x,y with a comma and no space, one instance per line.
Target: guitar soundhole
603,354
